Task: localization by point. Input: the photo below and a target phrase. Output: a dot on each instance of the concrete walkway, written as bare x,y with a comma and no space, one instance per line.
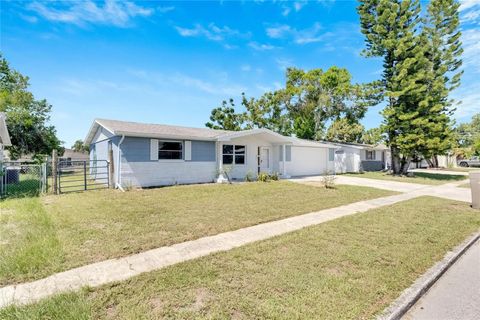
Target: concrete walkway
456,295
123,268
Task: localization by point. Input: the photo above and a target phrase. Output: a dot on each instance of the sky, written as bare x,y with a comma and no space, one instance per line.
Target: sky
173,62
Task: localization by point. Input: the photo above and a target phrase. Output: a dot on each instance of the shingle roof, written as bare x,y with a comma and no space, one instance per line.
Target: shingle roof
148,129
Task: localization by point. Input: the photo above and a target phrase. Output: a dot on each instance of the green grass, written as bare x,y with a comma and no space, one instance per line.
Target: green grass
349,268
418,177
41,236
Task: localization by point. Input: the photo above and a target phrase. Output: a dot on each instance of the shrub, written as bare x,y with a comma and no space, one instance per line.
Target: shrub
273,176
328,180
263,177
249,177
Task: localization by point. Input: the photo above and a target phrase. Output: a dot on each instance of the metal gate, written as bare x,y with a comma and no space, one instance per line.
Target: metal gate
81,175
19,179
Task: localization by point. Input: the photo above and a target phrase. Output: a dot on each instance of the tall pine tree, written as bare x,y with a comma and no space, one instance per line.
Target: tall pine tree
442,34
420,59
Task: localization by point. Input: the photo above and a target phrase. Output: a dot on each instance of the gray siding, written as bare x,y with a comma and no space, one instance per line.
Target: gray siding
138,150
203,151
372,165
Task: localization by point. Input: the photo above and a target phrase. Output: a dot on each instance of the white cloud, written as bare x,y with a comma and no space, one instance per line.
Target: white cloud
211,32
224,87
278,32
260,46
467,4
471,50
246,68
470,12
165,9
470,102
83,12
299,36
283,63
289,7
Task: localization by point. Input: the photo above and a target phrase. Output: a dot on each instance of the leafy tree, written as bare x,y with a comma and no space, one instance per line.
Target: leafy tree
27,118
267,112
345,130
373,136
79,146
225,118
316,97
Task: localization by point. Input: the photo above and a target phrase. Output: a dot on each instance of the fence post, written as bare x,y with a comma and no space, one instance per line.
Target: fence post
111,169
85,174
54,171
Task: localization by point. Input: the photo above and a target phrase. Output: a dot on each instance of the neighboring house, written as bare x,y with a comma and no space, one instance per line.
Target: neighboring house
4,136
355,157
154,154
69,155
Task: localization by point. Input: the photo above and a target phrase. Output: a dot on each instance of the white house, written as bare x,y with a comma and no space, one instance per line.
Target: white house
355,157
4,136
147,155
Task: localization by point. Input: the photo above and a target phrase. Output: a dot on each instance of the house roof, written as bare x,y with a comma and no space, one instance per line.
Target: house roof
148,130
362,146
4,136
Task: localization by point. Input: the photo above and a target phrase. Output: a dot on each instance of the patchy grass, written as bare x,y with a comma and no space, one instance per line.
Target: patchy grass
56,233
349,268
465,185
418,177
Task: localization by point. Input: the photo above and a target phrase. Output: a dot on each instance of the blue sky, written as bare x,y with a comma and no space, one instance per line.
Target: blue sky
172,62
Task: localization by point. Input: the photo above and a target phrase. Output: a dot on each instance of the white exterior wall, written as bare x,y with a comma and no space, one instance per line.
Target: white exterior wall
164,172
308,161
252,144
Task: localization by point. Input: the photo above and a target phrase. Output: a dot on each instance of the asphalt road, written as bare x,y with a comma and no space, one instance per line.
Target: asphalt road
456,295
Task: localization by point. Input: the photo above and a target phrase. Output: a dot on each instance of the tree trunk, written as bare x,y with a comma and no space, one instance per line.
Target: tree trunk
396,167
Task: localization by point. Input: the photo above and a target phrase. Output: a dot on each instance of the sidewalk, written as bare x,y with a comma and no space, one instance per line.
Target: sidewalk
456,295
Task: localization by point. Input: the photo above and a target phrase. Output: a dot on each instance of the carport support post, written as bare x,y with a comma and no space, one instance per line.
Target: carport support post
284,158
54,171
111,169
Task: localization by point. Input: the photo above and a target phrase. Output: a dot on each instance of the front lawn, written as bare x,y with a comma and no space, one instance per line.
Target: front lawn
418,177
349,268
41,236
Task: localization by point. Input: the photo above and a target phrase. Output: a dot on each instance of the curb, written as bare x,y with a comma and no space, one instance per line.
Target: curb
410,296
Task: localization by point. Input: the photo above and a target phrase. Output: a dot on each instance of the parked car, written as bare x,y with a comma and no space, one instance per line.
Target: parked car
472,162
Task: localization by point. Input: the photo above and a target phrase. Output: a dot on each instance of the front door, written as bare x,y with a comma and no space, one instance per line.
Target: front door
264,159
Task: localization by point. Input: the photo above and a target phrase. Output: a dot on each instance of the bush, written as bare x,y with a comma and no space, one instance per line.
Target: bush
263,177
267,177
328,180
249,177
273,176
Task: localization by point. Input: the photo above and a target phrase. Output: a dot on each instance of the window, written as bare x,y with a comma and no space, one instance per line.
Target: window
331,154
370,155
233,154
170,150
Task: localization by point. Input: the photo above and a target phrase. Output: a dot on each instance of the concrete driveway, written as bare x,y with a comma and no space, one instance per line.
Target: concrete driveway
449,190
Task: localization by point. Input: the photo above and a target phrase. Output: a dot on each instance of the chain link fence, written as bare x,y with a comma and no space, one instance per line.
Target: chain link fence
21,179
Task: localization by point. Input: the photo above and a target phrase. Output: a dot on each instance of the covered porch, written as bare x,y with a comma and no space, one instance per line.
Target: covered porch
248,153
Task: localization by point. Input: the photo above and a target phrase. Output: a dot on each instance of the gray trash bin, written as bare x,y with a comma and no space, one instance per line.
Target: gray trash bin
475,187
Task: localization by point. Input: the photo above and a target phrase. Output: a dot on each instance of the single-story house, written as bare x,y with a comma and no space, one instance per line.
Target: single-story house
4,136
355,157
147,155
70,154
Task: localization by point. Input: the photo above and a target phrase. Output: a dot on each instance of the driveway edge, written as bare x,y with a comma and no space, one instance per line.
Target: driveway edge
410,296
